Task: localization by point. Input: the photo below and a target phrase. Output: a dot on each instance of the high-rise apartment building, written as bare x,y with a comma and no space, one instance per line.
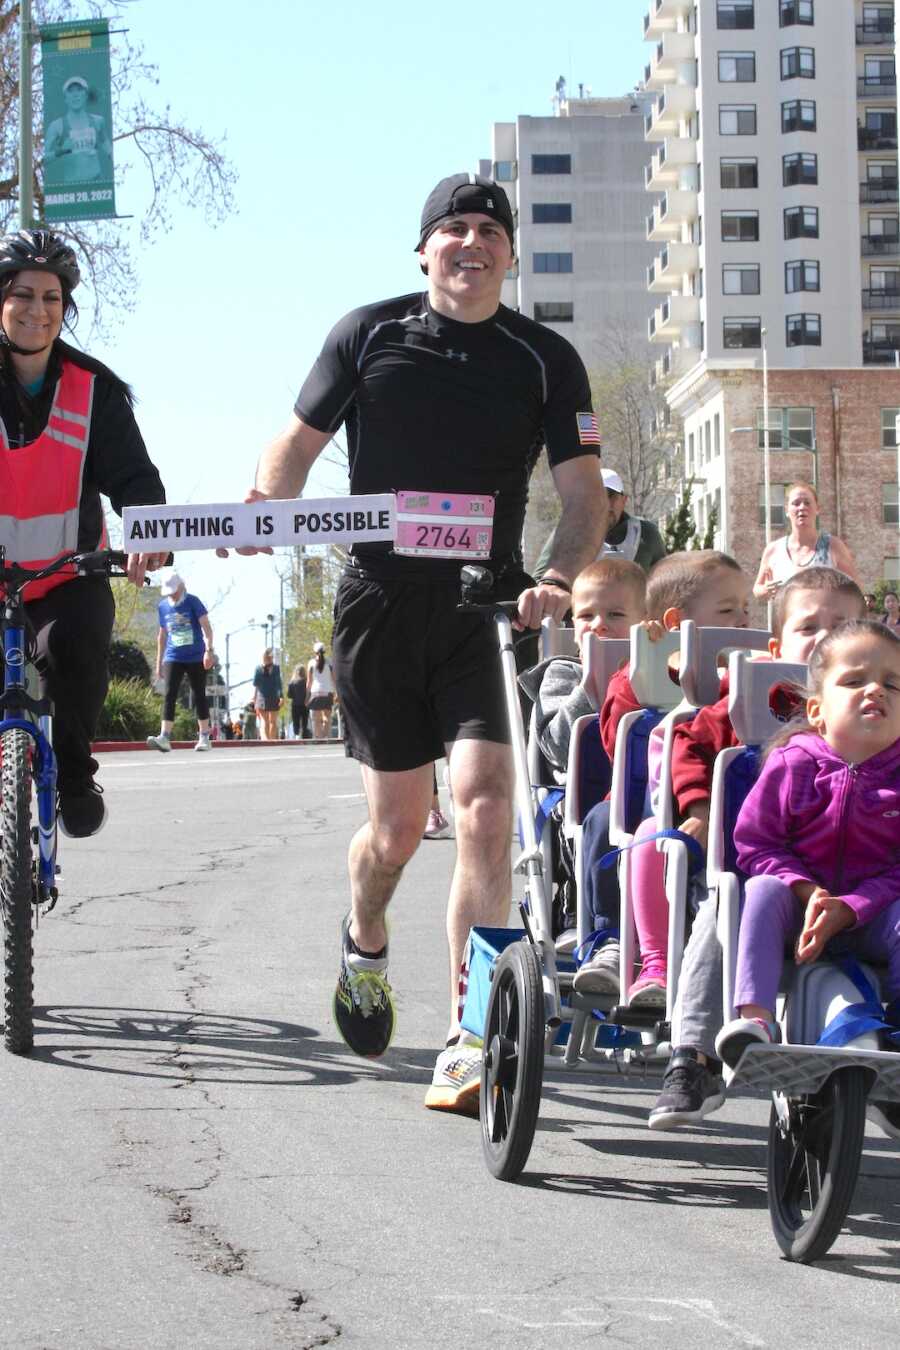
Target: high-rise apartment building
777,228
576,183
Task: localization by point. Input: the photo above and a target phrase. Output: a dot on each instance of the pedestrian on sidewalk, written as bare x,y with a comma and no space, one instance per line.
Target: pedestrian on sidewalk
297,696
320,692
184,647
267,696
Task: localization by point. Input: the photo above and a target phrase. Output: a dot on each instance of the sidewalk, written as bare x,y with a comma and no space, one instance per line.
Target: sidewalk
101,747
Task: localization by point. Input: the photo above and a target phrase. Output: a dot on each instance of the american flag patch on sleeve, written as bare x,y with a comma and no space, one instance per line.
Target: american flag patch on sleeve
588,430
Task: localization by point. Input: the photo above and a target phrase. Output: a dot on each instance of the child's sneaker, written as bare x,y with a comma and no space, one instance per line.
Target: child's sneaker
600,974
456,1082
734,1038
690,1091
886,1115
363,1004
649,989
161,742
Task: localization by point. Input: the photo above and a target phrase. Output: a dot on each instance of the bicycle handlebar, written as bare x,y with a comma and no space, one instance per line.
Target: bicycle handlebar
101,561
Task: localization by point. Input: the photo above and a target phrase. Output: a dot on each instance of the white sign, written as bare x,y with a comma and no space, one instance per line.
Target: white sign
329,520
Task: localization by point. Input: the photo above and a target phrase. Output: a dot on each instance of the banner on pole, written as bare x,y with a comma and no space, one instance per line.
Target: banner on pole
369,519
79,182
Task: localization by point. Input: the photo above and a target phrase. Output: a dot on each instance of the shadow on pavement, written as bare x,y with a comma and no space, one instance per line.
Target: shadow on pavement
207,1047
713,1194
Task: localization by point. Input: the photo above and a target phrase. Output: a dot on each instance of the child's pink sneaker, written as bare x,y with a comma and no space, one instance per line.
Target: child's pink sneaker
649,989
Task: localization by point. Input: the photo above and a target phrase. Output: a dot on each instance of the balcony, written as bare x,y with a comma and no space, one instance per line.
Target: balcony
882,299
676,104
672,316
876,86
663,17
877,33
879,190
670,213
882,351
881,245
668,270
664,170
877,138
673,363
671,51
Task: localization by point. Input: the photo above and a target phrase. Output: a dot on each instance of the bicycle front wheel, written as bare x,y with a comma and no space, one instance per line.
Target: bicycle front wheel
16,890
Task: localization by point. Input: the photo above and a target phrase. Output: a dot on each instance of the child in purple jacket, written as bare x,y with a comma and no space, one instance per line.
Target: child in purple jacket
819,833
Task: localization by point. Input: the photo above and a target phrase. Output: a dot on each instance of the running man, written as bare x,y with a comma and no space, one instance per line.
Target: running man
450,394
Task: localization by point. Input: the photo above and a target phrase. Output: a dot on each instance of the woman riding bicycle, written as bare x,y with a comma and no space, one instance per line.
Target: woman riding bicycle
67,433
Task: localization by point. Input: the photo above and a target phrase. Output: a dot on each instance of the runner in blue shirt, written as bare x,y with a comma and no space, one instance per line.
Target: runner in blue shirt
184,646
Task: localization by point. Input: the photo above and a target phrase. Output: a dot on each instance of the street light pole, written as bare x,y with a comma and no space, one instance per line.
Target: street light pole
26,161
228,636
767,515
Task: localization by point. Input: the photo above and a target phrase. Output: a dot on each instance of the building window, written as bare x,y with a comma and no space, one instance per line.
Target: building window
890,504
552,262
776,504
740,279
734,13
740,225
737,119
789,429
892,569
739,173
882,171
795,11
742,332
798,114
880,73
885,279
801,222
551,213
690,454
799,169
554,311
798,63
737,67
718,435
505,170
877,19
801,276
551,163
708,442
803,330
889,428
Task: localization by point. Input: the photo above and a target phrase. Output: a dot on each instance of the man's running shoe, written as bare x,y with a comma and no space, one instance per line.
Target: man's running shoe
690,1091
438,826
161,742
456,1080
363,1004
82,811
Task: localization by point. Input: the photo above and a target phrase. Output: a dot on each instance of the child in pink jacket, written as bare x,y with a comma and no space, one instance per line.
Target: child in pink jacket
819,833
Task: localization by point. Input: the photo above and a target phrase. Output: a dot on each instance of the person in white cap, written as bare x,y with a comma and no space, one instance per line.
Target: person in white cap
79,137
184,646
631,537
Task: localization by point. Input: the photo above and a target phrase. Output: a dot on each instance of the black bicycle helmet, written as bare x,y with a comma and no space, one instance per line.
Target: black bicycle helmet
39,251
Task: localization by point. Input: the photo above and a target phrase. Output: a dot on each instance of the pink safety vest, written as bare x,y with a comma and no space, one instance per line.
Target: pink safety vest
40,483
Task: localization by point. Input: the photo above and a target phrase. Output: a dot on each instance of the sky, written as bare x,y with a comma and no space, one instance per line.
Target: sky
338,118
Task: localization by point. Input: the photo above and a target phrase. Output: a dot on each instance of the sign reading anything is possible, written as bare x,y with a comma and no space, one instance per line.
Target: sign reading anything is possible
277,524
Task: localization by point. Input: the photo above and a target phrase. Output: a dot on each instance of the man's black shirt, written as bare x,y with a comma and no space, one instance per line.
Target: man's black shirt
432,404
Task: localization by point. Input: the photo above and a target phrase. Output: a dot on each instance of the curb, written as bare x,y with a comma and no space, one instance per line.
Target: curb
103,747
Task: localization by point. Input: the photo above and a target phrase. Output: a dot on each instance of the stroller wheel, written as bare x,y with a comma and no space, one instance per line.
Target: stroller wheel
513,1067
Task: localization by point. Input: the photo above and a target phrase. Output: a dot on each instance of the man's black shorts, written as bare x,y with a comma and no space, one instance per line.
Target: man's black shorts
412,674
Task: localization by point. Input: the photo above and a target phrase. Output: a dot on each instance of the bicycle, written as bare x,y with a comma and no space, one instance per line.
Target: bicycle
27,770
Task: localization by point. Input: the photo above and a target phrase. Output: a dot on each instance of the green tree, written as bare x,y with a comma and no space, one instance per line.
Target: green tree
681,528
180,164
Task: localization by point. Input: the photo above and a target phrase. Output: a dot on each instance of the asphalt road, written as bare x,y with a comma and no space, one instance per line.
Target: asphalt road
192,1159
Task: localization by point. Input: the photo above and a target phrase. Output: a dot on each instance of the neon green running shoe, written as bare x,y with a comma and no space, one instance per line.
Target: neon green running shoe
363,1004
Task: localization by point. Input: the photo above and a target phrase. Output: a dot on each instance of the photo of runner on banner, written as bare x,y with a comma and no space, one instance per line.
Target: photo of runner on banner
275,524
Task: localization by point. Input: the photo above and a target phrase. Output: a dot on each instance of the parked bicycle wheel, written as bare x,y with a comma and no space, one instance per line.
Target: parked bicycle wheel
813,1163
513,1068
16,886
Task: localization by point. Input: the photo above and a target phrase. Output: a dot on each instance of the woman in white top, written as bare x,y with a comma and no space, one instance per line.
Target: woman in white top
320,692
805,546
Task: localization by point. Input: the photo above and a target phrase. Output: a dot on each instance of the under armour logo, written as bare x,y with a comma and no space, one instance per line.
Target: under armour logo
457,356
